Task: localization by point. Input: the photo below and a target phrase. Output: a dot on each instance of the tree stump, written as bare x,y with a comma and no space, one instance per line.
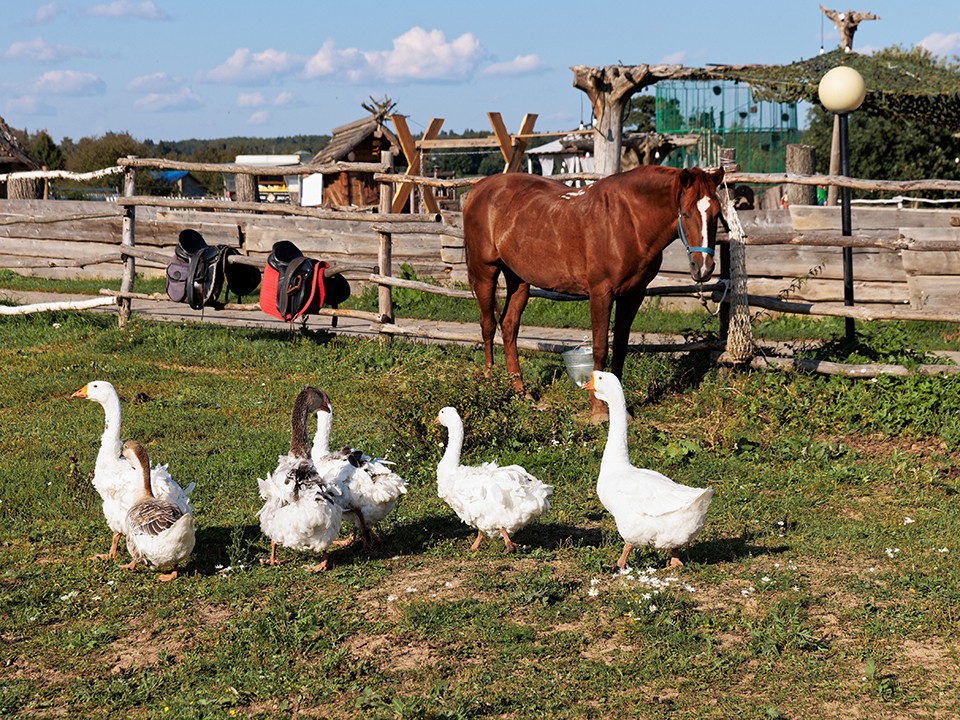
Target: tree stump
247,189
801,160
25,189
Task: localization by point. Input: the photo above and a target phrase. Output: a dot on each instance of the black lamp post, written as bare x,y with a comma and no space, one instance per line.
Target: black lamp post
841,91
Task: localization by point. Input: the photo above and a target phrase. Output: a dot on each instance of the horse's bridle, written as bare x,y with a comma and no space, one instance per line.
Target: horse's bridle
683,236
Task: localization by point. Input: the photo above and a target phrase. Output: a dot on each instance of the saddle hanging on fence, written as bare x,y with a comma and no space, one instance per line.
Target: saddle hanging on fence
197,272
295,285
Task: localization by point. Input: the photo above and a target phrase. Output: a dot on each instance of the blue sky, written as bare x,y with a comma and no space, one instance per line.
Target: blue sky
177,69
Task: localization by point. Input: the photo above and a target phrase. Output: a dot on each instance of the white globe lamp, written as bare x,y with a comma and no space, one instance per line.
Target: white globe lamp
842,90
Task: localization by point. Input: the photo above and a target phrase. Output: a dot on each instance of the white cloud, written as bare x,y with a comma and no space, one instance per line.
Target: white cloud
260,117
254,99
674,58
520,65
184,99
68,82
249,68
942,44
328,61
29,105
283,98
159,82
40,50
146,10
417,55
45,13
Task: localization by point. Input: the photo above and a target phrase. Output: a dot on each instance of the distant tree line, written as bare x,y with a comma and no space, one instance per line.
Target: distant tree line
95,153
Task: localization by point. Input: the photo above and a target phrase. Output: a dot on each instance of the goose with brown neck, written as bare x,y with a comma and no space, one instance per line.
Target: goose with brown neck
300,509
158,531
371,488
114,478
649,508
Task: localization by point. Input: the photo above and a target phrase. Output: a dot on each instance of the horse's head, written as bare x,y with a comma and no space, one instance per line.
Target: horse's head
698,214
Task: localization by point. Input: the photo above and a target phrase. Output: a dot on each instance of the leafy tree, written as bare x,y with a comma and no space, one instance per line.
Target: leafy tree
891,148
45,151
640,114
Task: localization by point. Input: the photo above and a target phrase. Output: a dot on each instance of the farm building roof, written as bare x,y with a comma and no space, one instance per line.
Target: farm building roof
12,152
347,138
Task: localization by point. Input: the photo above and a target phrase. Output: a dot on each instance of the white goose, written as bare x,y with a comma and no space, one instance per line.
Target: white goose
158,531
115,478
370,487
649,508
300,509
492,499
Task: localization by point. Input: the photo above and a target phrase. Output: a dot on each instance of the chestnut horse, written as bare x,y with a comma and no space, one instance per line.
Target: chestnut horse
605,240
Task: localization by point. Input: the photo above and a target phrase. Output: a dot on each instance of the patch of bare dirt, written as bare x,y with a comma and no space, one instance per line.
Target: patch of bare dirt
144,645
392,652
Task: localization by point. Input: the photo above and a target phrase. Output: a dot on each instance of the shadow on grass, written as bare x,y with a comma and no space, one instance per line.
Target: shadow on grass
221,547
730,550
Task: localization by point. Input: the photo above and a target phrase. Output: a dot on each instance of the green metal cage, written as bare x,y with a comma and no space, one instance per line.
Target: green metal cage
724,114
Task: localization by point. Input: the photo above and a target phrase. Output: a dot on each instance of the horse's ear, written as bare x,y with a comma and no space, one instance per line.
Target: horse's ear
686,178
717,176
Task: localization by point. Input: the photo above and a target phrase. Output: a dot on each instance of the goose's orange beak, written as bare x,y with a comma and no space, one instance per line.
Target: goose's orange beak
588,385
81,393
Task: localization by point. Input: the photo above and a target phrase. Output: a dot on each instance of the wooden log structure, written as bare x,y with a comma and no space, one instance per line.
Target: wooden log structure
908,264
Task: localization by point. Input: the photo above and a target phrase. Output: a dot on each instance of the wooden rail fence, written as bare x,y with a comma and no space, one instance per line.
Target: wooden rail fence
256,233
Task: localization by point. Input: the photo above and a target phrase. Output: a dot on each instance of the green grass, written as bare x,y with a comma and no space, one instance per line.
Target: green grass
809,592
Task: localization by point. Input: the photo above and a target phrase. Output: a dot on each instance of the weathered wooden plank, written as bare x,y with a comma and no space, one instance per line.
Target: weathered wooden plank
44,248
262,240
825,290
815,217
935,291
931,263
929,234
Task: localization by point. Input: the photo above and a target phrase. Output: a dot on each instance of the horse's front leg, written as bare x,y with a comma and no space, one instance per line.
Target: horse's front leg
627,307
484,286
600,307
518,292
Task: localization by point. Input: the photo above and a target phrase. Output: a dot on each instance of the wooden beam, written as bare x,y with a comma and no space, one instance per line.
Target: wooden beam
414,159
504,141
453,143
520,142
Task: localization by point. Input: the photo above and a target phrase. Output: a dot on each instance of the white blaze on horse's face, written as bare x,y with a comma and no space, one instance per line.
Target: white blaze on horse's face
701,263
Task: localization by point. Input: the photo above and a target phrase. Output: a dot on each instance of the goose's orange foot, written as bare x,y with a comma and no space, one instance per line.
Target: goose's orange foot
167,577
323,566
476,543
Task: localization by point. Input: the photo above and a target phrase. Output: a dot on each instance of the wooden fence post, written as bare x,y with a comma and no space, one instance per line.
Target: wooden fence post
246,188
385,252
801,160
127,239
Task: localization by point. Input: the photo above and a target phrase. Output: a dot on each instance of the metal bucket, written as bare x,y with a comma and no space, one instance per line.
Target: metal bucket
579,363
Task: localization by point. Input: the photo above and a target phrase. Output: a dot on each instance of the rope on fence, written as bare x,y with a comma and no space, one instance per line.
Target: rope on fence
740,345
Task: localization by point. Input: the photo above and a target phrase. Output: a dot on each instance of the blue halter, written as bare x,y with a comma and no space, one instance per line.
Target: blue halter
683,238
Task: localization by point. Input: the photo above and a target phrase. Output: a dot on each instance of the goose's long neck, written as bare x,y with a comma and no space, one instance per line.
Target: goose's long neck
144,464
110,444
451,456
616,448
321,440
298,431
